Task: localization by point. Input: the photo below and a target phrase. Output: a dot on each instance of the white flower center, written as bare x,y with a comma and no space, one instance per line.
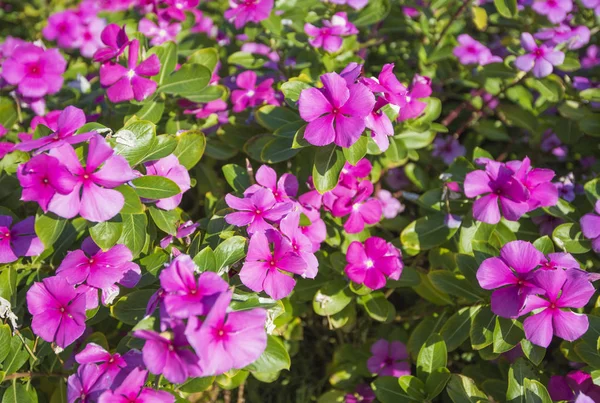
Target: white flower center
130,74
251,93
162,33
369,263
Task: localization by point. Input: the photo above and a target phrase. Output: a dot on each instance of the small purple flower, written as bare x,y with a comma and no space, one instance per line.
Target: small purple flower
18,240
370,264
447,149
575,386
283,189
301,244
539,58
537,181
329,37
590,226
546,223
591,58
255,209
176,8
469,51
555,10
87,384
574,37
380,125
362,394
132,390
552,144
410,105
108,363
389,359
362,208
249,94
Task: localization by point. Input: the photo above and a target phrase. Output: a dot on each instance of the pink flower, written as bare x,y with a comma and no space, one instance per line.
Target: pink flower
18,240
249,94
590,226
575,386
575,37
160,33
301,244
362,208
116,41
203,24
184,231
58,311
243,11
225,341
390,206
35,71
8,47
592,4
126,83
264,270
336,112
555,10
540,58
380,125
329,37
86,385
387,84
65,28
283,189
93,196
542,192
255,209
591,58
109,363
469,51
170,168
133,389
410,106
388,359
355,4
447,149
91,40
370,264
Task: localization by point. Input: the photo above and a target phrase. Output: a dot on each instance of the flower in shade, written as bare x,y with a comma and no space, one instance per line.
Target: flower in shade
410,106
389,358
87,384
362,208
542,192
447,149
185,296
590,226
575,386
107,362
301,244
469,51
217,107
58,311
547,223
511,277
372,262
541,59
255,209
555,10
126,83
243,11
170,168
93,196
266,270
184,231
224,341
249,94
65,28
498,184
362,394
36,72
116,41
551,143
18,240
390,206
133,390
169,355
336,112
591,58
283,189
563,289
159,33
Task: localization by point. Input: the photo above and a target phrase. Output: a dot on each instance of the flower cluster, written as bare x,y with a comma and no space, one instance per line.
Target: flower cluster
78,28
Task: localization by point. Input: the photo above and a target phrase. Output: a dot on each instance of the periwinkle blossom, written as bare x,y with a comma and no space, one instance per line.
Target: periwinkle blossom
169,167
116,41
593,5
217,107
93,196
255,210
389,358
225,341
386,84
241,12
470,51
566,188
127,83
555,10
541,59
547,223
590,226
159,33
87,384
361,208
355,4
63,27
301,244
574,37
283,189
390,206
176,8
329,37
133,390
58,311
18,240
372,263
380,125
91,39
184,231
362,394
108,363
559,260
184,295
270,271
576,386
447,149
563,289
552,144
537,181
591,58
249,94
336,112
410,104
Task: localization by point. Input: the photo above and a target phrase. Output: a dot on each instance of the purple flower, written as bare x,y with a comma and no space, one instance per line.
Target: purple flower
35,71
87,384
91,40
249,94
132,390
266,271
575,37
371,263
301,244
511,276
566,188
170,168
469,51
592,4
575,386
58,311
176,8
63,27
591,59
160,33
243,11
387,84
555,10
283,189
390,206
108,363
329,37
537,181
217,107
336,112
410,106
559,261
380,125
362,394
116,41
186,296
224,341
546,223
362,208
551,143
590,226
355,4
255,209
498,180
563,289
126,83
539,58
18,240
447,149
184,231
388,359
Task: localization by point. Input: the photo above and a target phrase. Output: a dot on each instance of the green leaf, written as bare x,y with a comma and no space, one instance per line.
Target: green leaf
247,60
436,382
507,8
534,353
357,151
155,187
8,284
292,89
388,390
332,298
17,356
592,190
456,330
454,284
134,232
106,234
591,94
376,305
432,356
48,228
230,251
413,386
19,393
535,392
507,334
417,175
396,152
519,117
166,220
133,204
208,57
162,146
189,79
135,141
196,385
152,111
590,124
517,374
274,358
328,164
5,336
237,177
415,140
206,260
462,389
273,117
482,328
375,11
544,245
426,233
131,308
190,148
278,149
167,54
570,238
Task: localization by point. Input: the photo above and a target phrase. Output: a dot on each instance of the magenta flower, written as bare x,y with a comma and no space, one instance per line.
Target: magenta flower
267,271
355,4
362,394
563,289
336,112
539,58
301,244
184,231
109,363
555,10
542,192
87,384
69,121
362,208
574,37
65,28
380,125
511,276
58,311
217,107
575,386
132,390
159,33
169,356
329,37
591,58
592,4
410,106
186,296
387,84
170,168
389,358
497,180
35,71
91,39
18,240
590,226
224,341
390,206
283,189
42,177
255,209
243,11
447,149
176,8
249,94
126,83
370,264
116,41
92,197
469,51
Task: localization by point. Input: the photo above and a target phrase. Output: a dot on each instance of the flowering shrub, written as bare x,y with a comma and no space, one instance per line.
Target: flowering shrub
299,200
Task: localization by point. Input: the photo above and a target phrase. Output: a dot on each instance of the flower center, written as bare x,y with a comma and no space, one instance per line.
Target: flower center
62,309
111,360
272,263
335,111
553,306
171,347
91,261
86,176
257,212
538,53
471,49
34,70
552,3
45,180
369,263
251,93
162,33
130,74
